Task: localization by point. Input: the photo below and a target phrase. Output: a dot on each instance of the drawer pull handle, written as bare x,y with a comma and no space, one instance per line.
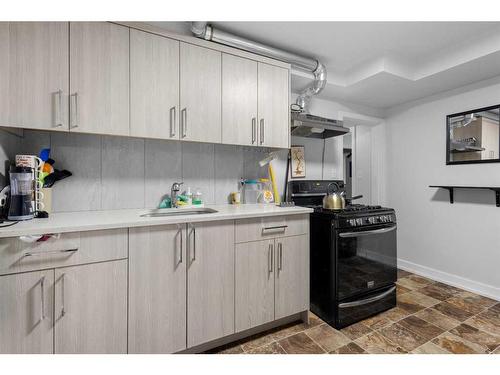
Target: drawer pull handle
279,228
49,252
42,298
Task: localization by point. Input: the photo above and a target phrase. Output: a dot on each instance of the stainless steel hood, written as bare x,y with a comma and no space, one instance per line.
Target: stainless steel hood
307,125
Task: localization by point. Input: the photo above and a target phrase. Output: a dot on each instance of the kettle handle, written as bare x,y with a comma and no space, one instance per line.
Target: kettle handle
328,192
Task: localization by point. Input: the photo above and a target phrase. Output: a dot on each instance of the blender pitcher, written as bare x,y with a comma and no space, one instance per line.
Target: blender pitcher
21,193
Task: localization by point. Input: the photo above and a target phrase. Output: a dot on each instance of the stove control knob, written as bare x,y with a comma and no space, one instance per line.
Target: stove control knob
359,221
383,219
371,220
351,222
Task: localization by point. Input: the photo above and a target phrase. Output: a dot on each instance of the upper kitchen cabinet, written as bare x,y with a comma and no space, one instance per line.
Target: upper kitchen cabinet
154,86
99,78
200,93
34,75
273,104
239,100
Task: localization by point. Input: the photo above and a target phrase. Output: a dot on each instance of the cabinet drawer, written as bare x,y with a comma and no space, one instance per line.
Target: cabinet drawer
66,249
271,227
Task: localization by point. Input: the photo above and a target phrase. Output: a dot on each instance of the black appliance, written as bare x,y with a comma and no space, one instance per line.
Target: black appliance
353,257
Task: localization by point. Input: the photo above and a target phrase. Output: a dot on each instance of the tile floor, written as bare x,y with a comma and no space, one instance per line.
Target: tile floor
430,318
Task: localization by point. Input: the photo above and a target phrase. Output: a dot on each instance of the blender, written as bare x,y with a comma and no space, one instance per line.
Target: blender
21,193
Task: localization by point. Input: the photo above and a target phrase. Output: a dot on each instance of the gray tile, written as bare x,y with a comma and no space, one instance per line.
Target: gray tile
122,173
81,155
163,168
228,171
198,169
33,141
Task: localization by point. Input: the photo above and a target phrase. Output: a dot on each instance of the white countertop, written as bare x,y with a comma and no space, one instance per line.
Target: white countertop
95,220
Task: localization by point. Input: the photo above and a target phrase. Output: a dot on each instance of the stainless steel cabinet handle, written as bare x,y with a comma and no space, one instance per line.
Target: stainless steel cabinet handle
270,258
193,233
30,254
172,122
42,298
254,130
184,122
63,310
262,135
367,232
367,300
276,229
58,109
180,249
74,110
280,256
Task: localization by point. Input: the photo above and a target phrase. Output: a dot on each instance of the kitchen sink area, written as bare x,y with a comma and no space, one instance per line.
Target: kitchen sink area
161,212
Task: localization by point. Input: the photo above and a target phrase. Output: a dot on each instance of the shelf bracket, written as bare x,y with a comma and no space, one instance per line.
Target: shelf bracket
497,196
450,190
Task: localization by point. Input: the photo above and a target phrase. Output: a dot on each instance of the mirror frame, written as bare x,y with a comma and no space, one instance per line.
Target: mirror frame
448,117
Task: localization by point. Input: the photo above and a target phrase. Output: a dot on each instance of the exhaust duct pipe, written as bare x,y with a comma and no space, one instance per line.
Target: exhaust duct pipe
205,31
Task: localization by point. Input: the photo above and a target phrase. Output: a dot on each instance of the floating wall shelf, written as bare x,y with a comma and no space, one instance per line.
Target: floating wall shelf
450,188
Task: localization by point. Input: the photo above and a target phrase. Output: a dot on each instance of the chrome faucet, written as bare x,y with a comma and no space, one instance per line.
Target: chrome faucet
176,187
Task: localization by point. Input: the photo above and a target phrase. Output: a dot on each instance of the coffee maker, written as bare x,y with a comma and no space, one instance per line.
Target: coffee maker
21,193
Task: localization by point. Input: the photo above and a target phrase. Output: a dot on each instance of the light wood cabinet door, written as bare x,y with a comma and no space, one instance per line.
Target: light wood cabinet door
254,284
239,100
157,289
292,275
154,86
91,308
210,281
34,75
99,78
26,313
273,103
200,90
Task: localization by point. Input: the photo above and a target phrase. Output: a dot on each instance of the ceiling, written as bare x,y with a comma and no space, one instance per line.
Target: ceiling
384,64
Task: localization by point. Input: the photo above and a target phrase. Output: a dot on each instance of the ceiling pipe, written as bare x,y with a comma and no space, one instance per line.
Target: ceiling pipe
205,31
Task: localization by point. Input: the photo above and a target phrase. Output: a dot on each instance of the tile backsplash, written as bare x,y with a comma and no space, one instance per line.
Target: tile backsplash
120,172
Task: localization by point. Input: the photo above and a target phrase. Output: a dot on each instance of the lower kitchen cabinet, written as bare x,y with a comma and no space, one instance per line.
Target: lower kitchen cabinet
157,289
91,308
254,284
210,281
292,275
26,311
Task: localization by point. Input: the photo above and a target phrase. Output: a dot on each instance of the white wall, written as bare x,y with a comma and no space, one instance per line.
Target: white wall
458,243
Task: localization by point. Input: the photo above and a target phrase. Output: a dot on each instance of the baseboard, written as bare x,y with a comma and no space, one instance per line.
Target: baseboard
453,280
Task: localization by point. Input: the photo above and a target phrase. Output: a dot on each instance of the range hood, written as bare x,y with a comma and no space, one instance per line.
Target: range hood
307,125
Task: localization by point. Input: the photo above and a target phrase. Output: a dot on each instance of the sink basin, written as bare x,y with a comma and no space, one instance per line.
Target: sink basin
160,212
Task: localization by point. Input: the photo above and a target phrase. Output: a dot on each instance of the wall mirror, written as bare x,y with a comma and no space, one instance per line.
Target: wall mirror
473,136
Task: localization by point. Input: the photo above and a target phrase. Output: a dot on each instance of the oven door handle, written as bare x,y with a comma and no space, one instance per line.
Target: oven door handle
367,232
366,301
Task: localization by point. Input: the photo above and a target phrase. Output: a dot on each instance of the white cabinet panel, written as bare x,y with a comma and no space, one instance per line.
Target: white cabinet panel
273,94
254,284
292,275
239,100
210,256
26,313
157,289
154,86
91,308
200,90
34,75
99,78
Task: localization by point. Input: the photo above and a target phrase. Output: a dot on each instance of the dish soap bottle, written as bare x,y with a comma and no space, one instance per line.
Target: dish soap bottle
197,197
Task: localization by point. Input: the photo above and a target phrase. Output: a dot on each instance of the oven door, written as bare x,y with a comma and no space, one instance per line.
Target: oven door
366,259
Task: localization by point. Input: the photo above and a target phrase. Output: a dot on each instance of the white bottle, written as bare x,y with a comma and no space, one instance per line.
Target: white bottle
189,196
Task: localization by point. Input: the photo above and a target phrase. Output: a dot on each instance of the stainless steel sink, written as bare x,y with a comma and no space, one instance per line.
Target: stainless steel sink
160,212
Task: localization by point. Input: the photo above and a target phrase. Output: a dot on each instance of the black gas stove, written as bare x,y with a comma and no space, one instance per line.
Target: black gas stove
353,256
